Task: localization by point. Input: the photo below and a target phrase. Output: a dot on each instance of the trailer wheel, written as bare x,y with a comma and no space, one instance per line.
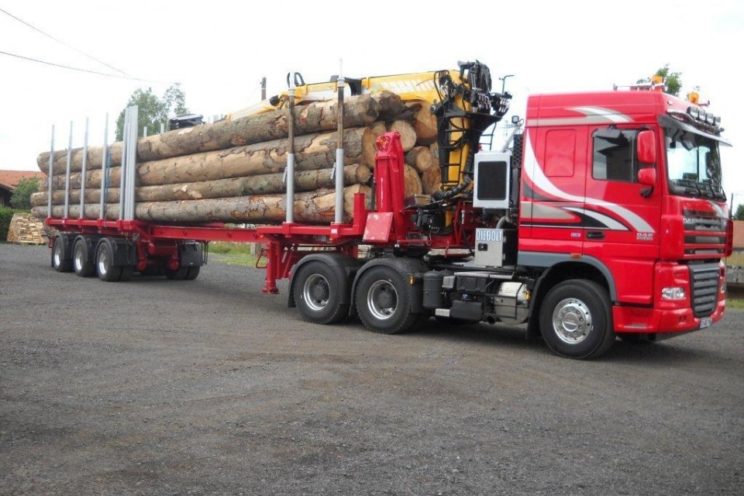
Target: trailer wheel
105,267
575,319
317,294
82,261
61,260
383,301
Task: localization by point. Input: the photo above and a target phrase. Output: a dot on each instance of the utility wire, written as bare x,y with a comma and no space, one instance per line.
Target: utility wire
79,69
27,24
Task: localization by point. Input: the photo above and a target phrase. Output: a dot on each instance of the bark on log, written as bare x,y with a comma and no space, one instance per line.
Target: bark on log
420,158
424,123
431,180
221,188
412,180
312,118
407,133
390,105
312,152
315,206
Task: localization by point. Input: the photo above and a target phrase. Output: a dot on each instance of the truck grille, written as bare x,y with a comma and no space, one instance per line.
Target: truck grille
705,234
704,282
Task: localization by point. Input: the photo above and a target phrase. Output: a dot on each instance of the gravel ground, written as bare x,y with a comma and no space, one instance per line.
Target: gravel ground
210,387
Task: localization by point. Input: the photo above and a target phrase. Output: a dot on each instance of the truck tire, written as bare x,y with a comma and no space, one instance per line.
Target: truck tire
82,261
61,259
193,273
105,267
576,320
180,274
383,301
317,293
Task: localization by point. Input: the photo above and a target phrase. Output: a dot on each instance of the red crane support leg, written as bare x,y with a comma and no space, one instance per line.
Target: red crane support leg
272,265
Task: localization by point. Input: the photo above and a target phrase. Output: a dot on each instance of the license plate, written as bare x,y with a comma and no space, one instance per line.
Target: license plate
705,322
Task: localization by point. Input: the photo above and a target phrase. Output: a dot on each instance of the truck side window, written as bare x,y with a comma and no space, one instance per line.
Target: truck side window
614,155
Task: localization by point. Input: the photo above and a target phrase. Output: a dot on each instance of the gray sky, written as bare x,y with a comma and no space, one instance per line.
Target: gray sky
219,50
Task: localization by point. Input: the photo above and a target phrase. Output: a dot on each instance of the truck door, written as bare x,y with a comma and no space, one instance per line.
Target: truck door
553,192
622,215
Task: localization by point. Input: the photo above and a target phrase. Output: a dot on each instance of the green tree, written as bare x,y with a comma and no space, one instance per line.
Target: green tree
21,197
672,80
739,215
153,110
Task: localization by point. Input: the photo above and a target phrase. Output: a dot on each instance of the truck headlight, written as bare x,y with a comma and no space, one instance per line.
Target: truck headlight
674,293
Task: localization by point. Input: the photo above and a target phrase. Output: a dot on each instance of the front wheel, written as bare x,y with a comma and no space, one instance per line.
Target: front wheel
576,321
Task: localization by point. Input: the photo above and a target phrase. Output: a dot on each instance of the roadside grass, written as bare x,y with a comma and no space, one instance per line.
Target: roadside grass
735,303
736,258
233,253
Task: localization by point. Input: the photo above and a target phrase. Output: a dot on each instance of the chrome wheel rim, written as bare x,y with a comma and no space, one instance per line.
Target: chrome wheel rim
572,321
316,292
382,299
102,262
57,258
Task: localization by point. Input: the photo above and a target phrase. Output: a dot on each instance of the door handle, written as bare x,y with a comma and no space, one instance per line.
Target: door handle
595,235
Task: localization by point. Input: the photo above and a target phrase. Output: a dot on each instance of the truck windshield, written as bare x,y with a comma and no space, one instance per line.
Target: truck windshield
693,165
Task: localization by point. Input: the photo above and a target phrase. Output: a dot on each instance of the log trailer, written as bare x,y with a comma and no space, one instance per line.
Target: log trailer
605,217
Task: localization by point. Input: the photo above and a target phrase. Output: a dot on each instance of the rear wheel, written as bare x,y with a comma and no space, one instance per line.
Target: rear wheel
82,261
575,319
105,267
317,293
179,274
61,260
193,273
383,301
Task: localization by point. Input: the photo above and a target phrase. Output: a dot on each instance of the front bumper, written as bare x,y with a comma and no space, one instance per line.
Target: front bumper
639,320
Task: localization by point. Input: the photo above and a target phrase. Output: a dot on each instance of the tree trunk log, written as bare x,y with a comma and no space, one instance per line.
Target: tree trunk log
312,118
390,105
407,134
312,152
431,180
369,143
314,207
424,123
412,180
420,158
220,188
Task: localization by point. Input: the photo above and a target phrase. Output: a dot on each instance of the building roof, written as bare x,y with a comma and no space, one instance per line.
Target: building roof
9,179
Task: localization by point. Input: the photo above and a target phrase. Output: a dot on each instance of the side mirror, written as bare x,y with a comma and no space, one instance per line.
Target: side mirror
646,147
647,177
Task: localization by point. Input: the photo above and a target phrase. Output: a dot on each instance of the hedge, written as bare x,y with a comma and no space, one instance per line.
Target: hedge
6,214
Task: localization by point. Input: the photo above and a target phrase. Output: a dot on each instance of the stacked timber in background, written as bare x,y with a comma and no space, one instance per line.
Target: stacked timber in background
24,229
232,170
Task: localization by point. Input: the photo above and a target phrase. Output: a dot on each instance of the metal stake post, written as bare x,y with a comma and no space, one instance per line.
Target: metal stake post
67,175
131,166
51,173
289,171
338,170
104,170
123,170
84,170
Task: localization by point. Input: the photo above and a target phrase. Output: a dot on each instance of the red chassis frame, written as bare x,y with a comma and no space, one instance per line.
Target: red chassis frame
388,225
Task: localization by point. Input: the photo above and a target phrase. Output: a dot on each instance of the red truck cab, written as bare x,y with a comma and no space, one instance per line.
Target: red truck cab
627,185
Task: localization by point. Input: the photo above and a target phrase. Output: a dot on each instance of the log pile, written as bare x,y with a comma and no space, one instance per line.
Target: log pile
24,229
232,170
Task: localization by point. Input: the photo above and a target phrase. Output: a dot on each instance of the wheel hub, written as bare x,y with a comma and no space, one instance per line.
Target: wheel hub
572,321
382,299
316,292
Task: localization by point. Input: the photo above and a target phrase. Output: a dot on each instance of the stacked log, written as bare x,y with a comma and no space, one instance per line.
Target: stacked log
24,229
233,170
